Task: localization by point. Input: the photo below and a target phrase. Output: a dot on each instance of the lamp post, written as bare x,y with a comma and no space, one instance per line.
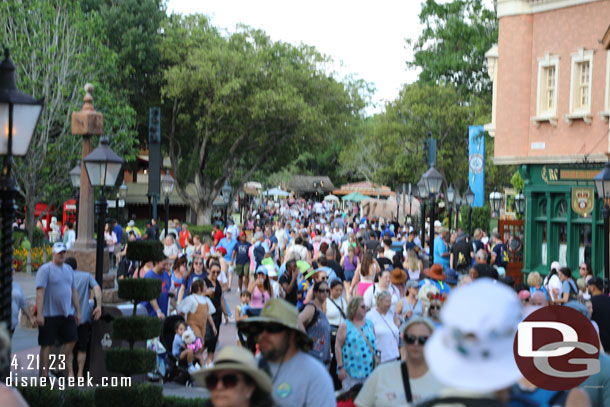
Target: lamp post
122,196
469,200
226,195
423,194
602,184
242,196
19,114
520,202
103,169
450,201
459,201
75,179
433,180
495,199
167,187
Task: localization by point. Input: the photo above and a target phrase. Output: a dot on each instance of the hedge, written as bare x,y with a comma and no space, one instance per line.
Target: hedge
141,394
139,289
130,361
145,250
201,230
138,328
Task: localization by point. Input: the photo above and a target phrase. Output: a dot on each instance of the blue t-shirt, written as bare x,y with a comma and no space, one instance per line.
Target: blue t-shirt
58,282
228,245
18,302
191,278
84,282
163,300
118,231
177,345
440,247
501,255
241,252
272,241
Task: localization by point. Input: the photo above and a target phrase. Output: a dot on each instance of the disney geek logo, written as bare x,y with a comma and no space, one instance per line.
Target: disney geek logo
557,348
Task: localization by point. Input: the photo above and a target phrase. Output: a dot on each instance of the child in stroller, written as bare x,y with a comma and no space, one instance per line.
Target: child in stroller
176,370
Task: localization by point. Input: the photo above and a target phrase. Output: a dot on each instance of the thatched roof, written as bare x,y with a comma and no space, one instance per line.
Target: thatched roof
305,183
365,188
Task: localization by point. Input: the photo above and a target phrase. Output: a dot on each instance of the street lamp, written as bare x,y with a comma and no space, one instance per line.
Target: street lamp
459,201
520,202
242,197
121,196
423,195
470,201
226,195
103,169
602,183
433,180
19,114
450,201
167,187
495,199
75,179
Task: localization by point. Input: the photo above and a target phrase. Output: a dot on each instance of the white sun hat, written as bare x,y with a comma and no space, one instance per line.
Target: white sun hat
473,350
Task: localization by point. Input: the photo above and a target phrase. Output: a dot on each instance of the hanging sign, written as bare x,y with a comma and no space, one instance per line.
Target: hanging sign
582,200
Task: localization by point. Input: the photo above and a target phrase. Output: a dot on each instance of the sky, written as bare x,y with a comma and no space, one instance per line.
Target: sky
364,38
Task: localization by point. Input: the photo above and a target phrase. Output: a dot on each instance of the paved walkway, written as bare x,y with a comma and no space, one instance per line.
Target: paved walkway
25,340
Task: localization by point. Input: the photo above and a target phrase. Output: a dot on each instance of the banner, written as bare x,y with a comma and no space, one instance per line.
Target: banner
476,164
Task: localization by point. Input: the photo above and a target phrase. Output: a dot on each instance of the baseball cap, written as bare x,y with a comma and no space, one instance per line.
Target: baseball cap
59,247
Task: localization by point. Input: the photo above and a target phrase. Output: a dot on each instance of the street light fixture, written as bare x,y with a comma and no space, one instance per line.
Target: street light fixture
120,197
433,181
495,199
602,184
167,187
520,202
226,195
19,114
75,174
450,201
423,195
470,201
459,201
103,169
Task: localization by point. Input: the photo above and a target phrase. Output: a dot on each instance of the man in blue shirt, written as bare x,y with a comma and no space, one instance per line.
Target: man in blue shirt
228,242
118,231
441,251
159,307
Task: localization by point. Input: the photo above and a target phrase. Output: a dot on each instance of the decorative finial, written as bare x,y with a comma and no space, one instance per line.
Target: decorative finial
88,98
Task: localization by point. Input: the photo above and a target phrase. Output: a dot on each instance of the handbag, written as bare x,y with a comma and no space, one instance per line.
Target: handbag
405,381
376,354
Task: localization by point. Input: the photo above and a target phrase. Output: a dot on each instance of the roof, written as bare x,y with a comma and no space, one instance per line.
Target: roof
305,183
365,188
137,194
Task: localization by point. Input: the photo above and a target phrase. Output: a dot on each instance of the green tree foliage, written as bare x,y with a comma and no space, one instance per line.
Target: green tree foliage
451,49
241,102
57,49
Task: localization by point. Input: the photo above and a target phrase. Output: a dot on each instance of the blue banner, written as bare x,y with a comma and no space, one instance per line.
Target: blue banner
476,164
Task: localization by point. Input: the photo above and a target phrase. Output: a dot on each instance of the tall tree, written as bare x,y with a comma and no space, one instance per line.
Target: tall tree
242,102
56,50
451,48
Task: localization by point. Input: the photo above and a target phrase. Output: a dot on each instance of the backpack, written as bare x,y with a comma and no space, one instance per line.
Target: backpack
259,254
314,319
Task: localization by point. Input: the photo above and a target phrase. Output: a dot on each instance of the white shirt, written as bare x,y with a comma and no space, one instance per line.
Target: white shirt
332,312
190,303
370,296
553,286
386,334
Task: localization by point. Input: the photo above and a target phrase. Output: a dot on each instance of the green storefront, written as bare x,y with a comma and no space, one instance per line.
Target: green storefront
563,217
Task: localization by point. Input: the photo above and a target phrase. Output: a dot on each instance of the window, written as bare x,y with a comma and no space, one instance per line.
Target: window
548,74
580,86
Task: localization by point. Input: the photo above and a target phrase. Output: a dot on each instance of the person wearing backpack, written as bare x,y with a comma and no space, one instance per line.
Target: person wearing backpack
499,255
461,254
312,320
260,249
569,290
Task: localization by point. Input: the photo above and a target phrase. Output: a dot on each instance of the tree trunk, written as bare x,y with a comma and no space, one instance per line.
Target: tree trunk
29,220
204,215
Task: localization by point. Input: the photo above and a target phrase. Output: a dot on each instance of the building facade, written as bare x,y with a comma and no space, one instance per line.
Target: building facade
551,105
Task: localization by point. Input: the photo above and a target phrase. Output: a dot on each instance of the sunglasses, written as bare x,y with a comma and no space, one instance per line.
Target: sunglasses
270,328
229,381
435,307
197,263
411,339
324,291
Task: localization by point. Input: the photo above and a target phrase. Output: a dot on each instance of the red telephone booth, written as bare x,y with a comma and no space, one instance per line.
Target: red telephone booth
69,213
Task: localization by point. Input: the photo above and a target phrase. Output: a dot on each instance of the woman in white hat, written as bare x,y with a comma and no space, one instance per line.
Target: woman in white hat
235,380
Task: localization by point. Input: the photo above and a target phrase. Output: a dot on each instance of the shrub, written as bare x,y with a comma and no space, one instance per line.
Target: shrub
145,250
172,401
139,289
130,361
138,395
133,329
201,230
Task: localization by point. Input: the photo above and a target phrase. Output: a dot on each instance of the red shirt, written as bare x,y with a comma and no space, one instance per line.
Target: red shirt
218,236
183,235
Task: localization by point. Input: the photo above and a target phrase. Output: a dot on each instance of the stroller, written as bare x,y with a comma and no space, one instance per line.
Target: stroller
175,370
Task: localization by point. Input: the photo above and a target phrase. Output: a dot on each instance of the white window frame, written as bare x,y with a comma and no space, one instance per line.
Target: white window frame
605,114
546,116
581,113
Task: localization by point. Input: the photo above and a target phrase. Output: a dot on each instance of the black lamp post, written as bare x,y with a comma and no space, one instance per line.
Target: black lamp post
602,184
75,179
167,187
226,191
433,180
450,201
19,114
459,201
520,202
495,199
470,201
423,194
122,195
242,197
103,169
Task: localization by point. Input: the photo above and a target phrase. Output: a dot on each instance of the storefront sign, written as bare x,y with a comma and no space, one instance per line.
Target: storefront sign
554,174
582,200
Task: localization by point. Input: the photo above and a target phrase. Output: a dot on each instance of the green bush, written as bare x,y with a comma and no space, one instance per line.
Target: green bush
138,328
480,218
145,250
130,361
139,289
138,395
40,396
201,230
172,401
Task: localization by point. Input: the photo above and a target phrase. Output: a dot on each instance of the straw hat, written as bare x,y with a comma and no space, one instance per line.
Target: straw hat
240,359
398,276
280,312
435,272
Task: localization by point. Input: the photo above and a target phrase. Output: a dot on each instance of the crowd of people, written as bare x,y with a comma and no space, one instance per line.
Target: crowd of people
333,303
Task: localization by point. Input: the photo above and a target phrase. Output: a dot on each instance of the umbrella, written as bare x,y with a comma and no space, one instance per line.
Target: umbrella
331,197
275,192
354,196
